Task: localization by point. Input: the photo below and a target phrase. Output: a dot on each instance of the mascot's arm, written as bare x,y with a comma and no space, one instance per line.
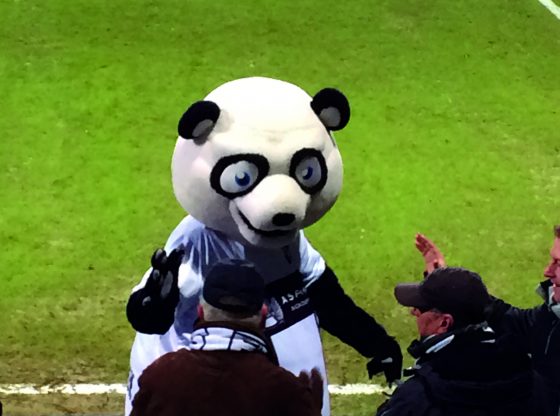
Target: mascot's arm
151,309
341,317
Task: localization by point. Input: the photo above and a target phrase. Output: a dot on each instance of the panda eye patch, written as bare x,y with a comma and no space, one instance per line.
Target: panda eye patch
237,175
309,169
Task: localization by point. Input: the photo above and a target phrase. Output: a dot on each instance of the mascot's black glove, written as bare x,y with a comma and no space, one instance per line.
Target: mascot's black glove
151,310
163,283
388,360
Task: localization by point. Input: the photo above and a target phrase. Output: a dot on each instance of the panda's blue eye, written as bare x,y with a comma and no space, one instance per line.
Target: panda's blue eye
307,173
309,170
242,179
239,177
236,175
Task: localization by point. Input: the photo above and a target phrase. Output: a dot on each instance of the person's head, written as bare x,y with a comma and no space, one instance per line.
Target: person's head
233,291
448,298
552,270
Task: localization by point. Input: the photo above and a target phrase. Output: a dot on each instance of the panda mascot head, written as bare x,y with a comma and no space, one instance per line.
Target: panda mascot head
256,159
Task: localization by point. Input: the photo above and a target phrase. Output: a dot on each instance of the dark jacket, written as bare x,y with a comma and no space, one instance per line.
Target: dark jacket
222,382
538,331
466,372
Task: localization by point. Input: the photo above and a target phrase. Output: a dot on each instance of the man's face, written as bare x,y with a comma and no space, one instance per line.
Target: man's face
552,271
430,322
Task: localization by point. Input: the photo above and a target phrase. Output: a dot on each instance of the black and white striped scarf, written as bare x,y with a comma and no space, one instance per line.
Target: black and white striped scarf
226,339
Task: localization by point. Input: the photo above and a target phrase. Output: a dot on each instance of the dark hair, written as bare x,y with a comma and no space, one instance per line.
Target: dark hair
234,285
557,230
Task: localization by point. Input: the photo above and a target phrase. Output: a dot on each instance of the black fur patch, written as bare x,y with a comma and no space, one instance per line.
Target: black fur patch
299,156
332,108
259,161
199,120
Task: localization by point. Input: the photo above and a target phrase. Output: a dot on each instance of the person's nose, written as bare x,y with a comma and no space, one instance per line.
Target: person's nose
550,270
415,312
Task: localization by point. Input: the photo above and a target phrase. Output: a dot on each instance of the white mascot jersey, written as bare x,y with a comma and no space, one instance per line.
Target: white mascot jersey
251,181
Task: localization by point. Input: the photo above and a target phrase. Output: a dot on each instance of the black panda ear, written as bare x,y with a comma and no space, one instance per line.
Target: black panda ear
199,120
332,108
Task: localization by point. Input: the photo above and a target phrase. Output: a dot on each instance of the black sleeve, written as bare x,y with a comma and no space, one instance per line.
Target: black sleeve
341,317
148,316
503,317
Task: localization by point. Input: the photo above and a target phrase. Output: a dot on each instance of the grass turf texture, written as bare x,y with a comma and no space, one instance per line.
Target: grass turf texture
454,133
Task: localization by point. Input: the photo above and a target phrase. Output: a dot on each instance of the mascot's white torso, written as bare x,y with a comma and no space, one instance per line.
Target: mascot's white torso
252,174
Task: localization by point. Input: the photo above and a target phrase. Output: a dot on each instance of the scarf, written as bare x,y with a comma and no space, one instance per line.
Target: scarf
435,343
226,339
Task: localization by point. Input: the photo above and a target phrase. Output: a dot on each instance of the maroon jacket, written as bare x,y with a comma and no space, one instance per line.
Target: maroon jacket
228,383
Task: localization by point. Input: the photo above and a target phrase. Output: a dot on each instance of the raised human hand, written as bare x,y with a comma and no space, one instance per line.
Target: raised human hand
433,258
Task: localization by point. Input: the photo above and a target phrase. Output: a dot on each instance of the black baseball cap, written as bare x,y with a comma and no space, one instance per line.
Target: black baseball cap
234,285
454,290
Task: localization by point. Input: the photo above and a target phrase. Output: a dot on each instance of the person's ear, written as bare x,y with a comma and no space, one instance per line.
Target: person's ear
200,312
446,322
264,312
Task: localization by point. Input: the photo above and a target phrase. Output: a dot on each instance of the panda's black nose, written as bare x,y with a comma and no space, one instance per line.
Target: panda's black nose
283,219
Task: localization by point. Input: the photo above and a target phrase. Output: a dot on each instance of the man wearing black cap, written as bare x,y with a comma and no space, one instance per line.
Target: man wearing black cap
537,329
462,368
230,368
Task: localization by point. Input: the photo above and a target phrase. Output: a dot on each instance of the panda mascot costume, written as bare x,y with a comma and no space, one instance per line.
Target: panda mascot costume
255,163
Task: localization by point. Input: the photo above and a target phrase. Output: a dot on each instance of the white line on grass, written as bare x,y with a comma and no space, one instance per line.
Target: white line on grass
87,389
81,389
355,389
553,8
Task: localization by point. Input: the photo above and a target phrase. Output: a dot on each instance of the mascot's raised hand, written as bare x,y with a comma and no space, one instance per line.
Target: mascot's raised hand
160,295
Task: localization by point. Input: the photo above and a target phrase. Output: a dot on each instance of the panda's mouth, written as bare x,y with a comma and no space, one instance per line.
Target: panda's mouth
265,233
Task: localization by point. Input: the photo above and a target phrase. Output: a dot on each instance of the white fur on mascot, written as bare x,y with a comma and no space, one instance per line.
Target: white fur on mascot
254,164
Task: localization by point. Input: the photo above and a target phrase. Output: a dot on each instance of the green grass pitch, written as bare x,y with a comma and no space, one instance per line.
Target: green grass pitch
454,133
